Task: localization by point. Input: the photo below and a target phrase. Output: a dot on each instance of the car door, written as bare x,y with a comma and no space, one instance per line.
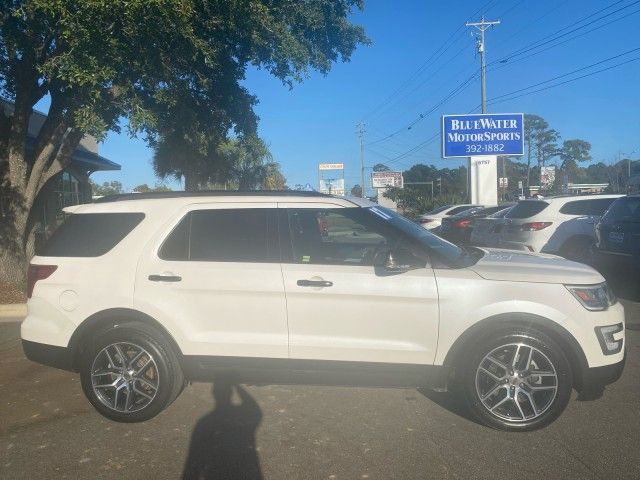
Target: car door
212,277
340,307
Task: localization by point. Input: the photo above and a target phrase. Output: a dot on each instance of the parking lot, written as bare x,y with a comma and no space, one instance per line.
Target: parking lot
48,430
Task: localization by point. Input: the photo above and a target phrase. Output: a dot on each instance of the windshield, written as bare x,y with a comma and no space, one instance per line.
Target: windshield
446,251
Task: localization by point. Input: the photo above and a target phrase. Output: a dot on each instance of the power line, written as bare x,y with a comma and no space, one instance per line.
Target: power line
557,35
512,95
436,55
426,113
507,63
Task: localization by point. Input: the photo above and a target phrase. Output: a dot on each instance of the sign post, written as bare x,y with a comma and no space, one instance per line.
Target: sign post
481,138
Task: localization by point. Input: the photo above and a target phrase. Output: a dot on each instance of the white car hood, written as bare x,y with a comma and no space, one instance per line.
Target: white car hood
516,266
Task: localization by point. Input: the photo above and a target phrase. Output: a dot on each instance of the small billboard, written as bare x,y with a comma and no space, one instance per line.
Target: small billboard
485,134
331,166
386,179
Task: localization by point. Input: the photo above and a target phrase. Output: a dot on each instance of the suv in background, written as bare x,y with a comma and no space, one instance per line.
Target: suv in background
433,219
458,228
140,293
618,236
485,229
558,225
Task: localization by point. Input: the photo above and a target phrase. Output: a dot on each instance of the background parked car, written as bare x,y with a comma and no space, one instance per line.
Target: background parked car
559,225
457,228
432,220
618,236
486,231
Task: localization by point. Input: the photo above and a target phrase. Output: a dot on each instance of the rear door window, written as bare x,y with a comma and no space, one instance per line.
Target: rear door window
90,234
526,209
224,235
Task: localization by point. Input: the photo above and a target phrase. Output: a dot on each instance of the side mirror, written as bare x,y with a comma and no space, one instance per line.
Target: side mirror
390,262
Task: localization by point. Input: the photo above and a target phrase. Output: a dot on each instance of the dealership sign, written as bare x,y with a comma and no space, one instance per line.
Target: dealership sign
386,179
331,166
485,134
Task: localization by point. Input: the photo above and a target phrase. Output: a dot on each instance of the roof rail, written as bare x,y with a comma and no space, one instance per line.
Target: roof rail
208,193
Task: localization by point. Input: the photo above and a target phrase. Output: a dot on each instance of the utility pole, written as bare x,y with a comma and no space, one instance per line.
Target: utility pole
482,25
361,137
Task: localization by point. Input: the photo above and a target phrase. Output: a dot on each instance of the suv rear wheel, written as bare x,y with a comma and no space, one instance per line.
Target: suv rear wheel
517,379
130,374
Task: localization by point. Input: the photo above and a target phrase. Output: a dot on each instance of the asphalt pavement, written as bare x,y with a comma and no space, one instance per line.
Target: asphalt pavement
49,431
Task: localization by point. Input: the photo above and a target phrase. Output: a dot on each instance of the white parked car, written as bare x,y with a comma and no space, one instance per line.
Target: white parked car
558,225
433,219
142,292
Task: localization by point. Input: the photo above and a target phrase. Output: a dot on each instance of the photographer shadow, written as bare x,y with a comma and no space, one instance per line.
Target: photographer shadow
223,443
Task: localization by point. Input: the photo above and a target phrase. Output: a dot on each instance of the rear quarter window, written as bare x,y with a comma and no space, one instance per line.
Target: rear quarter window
526,209
90,234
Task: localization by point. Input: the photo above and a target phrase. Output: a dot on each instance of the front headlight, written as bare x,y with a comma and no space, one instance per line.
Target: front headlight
593,297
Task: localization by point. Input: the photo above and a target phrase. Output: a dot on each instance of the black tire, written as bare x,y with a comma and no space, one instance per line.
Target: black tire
152,390
517,388
577,249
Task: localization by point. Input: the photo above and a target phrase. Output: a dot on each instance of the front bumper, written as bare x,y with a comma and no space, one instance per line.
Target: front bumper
594,380
50,355
601,376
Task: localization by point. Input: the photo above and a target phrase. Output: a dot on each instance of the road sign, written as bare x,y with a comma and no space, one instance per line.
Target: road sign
547,175
386,179
503,182
520,184
331,166
486,134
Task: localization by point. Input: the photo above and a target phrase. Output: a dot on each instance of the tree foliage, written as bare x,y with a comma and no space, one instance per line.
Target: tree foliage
106,188
169,68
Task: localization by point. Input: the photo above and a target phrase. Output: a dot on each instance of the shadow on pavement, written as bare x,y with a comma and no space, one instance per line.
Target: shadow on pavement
450,401
223,443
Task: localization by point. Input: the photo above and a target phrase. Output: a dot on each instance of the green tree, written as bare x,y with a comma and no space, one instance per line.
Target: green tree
273,178
572,153
107,188
153,64
144,188
381,167
356,190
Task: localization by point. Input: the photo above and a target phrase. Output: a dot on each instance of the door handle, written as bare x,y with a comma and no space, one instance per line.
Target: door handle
165,278
314,283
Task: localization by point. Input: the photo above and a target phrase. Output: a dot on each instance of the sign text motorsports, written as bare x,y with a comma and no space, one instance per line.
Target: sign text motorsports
482,134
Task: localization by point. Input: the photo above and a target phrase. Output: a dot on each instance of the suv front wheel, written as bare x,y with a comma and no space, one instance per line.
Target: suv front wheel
129,374
517,379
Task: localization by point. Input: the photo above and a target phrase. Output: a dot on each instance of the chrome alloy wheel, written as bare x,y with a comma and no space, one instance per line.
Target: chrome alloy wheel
516,382
124,377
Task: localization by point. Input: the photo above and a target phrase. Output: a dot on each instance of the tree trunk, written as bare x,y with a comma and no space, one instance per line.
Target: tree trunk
13,261
191,183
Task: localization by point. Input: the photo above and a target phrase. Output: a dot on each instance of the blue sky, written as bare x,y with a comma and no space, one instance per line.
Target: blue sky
316,120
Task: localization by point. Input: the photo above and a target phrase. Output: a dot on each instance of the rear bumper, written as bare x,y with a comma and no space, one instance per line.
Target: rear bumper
50,355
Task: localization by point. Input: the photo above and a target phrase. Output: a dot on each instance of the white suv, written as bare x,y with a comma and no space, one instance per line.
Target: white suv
143,292
558,225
